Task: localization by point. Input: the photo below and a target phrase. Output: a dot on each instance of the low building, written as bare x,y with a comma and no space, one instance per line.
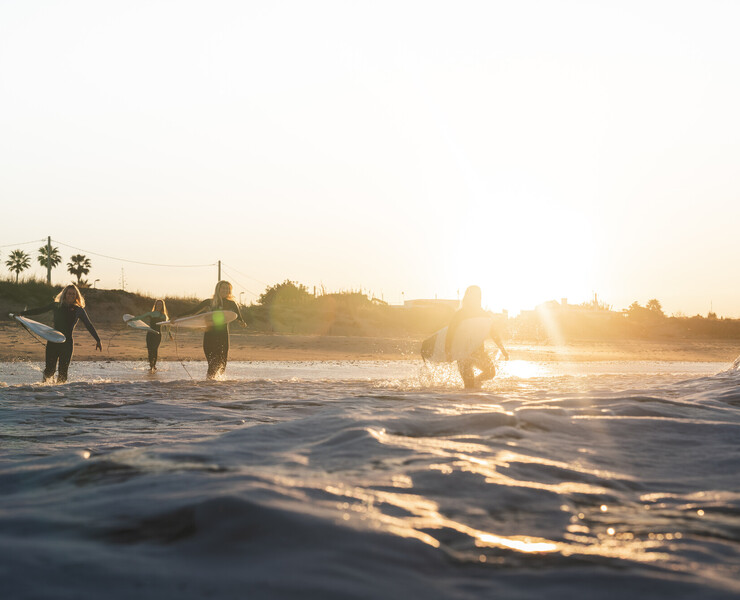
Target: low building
424,303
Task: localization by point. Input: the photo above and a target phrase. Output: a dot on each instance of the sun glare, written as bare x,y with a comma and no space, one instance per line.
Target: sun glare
522,369
522,256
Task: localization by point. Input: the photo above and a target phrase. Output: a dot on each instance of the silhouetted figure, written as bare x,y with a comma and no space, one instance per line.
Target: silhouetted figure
216,337
472,309
68,307
154,338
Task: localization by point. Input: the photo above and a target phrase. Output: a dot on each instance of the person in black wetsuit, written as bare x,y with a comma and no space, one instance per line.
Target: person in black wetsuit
471,308
68,307
153,340
216,337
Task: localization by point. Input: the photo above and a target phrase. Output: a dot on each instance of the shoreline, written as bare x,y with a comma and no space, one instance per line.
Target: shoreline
129,345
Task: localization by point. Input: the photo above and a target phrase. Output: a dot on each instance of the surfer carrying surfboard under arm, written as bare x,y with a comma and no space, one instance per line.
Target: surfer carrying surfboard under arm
478,358
216,337
154,338
68,307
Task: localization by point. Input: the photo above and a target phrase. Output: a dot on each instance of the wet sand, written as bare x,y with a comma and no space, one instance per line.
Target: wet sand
122,343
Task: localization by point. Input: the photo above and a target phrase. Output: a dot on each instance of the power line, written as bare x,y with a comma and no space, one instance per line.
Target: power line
22,243
136,262
239,284
245,275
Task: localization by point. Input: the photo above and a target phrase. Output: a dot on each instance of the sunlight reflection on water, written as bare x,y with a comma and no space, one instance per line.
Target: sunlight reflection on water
584,465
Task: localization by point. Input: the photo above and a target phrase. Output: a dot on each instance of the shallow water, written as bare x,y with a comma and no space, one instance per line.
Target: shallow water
369,480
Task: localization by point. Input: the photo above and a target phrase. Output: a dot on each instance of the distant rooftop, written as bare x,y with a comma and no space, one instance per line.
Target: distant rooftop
455,304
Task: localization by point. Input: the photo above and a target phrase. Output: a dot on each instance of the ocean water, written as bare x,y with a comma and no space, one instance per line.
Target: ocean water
371,480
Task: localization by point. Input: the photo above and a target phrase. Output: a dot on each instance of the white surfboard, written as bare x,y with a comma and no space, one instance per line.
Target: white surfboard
203,320
137,324
469,336
48,333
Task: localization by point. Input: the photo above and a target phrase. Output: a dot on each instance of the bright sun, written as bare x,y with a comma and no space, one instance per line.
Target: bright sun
521,259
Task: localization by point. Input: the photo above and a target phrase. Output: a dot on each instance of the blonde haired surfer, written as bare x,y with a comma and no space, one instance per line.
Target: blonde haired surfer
216,337
154,338
479,358
68,307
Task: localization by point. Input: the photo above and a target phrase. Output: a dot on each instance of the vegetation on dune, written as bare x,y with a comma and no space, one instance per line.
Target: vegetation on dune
33,292
284,308
289,308
106,306
553,321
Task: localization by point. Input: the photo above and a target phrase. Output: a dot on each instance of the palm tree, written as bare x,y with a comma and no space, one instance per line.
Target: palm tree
47,257
18,261
78,266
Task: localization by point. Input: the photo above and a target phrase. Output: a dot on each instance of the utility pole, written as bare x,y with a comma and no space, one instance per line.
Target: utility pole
123,280
48,259
219,270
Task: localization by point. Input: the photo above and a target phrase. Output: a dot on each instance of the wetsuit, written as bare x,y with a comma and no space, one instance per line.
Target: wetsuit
153,340
216,338
65,319
479,357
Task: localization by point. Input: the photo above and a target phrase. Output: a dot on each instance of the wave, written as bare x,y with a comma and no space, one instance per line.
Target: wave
594,486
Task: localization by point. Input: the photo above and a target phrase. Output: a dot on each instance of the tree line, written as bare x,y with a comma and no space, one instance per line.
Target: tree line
79,265
555,322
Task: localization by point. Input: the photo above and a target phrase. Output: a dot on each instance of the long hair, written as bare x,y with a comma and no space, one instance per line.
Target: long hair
60,297
216,301
164,308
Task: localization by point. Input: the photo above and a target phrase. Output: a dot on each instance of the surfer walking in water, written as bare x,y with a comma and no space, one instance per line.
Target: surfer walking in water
154,338
479,358
216,337
68,307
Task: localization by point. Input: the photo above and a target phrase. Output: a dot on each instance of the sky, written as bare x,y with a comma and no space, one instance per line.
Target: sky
408,149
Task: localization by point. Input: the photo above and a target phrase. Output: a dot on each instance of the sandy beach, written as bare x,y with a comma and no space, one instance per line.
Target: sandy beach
126,344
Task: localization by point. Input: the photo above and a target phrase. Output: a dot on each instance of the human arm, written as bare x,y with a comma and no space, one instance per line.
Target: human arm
200,308
239,314
144,316
82,314
36,311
